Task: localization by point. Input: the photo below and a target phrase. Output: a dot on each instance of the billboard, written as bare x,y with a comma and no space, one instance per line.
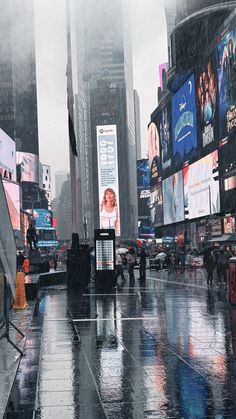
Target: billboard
226,72
108,182
143,180
29,166
227,164
184,129
154,156
12,191
207,99
173,198
7,157
42,218
164,128
201,187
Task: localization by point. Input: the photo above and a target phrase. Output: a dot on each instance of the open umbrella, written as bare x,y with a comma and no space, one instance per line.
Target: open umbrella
121,250
161,256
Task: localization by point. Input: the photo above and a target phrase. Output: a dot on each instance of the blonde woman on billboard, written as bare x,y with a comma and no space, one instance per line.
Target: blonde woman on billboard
109,216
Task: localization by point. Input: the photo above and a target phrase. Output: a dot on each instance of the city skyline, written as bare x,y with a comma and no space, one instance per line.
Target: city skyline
148,53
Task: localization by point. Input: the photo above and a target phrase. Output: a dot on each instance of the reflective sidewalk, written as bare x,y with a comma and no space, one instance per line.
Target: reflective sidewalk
161,350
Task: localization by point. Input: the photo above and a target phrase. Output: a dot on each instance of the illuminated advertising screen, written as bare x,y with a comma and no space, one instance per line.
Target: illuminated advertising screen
108,178
7,157
164,128
42,217
201,187
12,191
154,156
184,129
226,72
227,159
29,166
207,99
143,180
173,198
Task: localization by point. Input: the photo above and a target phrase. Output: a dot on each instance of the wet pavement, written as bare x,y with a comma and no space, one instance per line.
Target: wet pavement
163,349
9,357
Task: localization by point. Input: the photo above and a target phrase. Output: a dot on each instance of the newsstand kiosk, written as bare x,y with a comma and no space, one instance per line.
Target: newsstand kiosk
105,274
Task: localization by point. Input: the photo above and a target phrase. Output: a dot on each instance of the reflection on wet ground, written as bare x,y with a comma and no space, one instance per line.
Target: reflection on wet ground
164,349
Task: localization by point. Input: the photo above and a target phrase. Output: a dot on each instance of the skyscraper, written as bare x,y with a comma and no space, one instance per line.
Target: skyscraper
137,126
18,98
103,87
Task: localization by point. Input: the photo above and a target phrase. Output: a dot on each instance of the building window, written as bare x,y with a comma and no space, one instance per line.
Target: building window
44,185
46,178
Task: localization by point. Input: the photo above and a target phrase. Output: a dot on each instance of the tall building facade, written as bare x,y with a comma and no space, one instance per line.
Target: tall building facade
137,125
18,96
60,177
103,87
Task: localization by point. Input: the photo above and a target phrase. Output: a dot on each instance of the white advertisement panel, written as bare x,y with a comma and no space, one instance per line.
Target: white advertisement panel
29,166
12,191
173,198
7,157
201,187
108,177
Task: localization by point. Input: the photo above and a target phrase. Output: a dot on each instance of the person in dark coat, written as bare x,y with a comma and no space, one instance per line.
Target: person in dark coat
142,265
209,263
31,236
20,262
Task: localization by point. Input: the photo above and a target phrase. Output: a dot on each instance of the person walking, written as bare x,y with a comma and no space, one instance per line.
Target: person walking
31,236
209,263
119,268
131,265
20,262
222,265
142,265
26,266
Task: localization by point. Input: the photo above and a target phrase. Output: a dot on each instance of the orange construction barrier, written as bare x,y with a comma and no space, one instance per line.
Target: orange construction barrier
20,300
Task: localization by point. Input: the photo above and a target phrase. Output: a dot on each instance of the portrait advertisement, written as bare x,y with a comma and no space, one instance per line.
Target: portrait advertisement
226,74
207,101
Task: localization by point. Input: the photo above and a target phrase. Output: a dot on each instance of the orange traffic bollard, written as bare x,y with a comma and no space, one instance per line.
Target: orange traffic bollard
20,300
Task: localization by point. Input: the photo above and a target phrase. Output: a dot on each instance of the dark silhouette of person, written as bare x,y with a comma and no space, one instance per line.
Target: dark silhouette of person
31,236
142,265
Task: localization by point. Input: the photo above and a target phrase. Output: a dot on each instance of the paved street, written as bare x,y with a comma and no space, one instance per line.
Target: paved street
164,350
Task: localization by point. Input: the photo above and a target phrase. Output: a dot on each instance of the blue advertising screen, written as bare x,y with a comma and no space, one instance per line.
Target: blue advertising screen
184,123
42,217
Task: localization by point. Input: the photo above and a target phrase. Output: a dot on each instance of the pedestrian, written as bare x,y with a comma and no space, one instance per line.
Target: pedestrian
31,236
172,264
131,265
26,265
119,268
55,260
209,264
142,265
188,261
20,262
222,264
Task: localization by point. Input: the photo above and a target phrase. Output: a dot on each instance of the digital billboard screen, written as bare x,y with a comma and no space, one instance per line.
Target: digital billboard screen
173,198
143,180
7,157
12,191
154,156
184,123
226,72
227,164
201,187
207,100
164,128
42,218
29,164
108,182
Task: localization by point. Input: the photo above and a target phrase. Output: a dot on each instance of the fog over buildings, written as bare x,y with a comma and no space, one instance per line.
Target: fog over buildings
149,42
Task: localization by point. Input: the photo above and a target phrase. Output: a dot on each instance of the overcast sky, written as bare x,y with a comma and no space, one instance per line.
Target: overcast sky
149,50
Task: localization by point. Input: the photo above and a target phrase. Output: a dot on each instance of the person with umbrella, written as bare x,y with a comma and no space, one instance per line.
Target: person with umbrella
161,257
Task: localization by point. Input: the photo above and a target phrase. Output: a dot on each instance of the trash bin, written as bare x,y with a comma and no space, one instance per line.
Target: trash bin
232,280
